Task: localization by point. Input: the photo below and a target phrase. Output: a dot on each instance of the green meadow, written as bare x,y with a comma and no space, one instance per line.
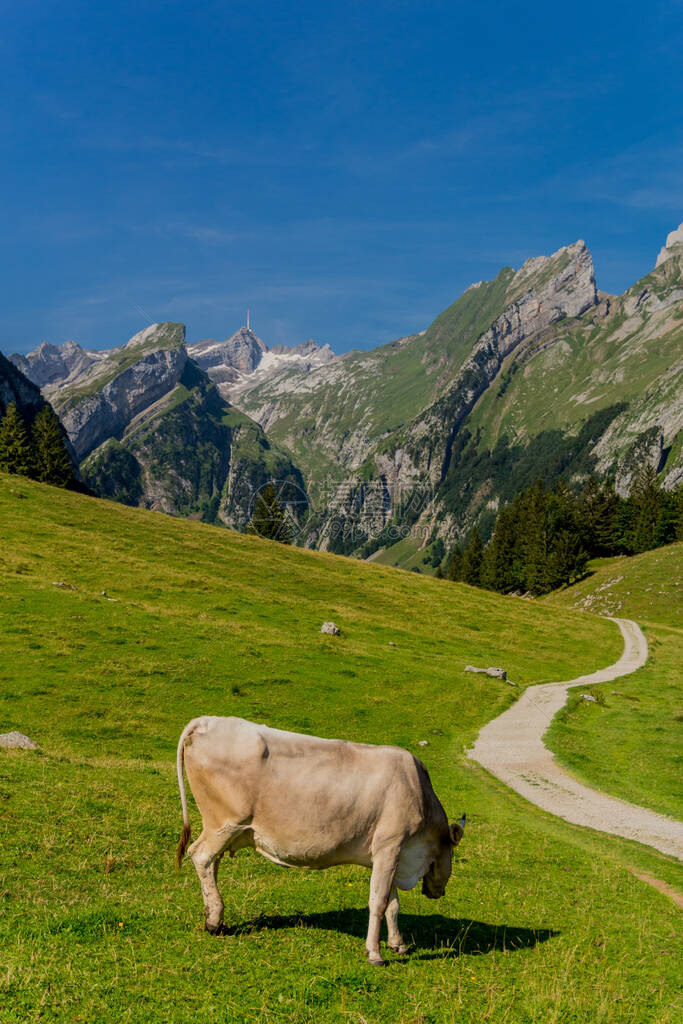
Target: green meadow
629,742
118,626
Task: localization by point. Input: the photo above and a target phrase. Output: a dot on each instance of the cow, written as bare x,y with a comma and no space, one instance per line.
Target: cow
302,801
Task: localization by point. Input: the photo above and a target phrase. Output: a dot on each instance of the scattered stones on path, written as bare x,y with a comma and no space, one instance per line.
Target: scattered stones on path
511,747
496,673
17,741
331,628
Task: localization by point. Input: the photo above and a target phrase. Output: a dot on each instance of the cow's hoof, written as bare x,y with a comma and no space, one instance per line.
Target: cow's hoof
214,929
375,960
401,950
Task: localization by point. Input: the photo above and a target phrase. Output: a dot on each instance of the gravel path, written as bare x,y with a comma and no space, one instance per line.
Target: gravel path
511,747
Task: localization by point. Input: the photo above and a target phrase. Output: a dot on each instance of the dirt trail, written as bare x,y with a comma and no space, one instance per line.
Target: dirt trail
511,747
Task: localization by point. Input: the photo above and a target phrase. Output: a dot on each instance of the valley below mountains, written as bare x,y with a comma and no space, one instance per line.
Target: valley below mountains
397,452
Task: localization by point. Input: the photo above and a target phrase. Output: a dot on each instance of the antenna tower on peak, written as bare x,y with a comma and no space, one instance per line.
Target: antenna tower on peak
248,327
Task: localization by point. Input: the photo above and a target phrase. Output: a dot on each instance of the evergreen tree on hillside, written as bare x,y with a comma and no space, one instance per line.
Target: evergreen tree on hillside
598,516
16,451
670,517
269,518
534,539
52,462
567,560
454,570
502,567
678,505
646,503
472,559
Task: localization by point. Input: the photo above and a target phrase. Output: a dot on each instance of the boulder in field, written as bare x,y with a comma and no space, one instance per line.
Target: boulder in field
17,741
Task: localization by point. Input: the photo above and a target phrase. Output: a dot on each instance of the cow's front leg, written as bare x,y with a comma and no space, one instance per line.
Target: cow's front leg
381,884
206,857
394,938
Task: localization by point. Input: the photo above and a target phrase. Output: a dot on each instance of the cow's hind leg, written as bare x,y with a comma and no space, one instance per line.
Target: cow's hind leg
381,884
206,854
394,938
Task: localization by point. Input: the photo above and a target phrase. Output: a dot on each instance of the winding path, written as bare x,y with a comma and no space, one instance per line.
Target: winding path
511,747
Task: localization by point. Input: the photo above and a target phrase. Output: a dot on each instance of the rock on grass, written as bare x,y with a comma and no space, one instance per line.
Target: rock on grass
17,741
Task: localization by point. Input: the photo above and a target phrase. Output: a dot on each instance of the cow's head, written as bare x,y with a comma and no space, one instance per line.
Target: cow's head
436,879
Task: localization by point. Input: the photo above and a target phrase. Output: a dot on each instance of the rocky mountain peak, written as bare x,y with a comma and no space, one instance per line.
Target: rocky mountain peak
242,351
321,353
164,335
52,364
563,284
673,246
244,360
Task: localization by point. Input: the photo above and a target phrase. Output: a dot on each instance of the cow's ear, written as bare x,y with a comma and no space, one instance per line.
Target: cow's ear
457,830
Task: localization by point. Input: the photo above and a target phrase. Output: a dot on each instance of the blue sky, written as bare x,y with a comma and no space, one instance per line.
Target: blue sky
345,169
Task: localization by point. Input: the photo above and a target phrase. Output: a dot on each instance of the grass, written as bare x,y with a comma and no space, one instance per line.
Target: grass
647,588
629,742
542,922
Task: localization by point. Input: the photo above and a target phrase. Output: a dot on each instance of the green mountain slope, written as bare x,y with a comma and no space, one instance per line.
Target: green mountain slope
534,374
190,453
627,351
346,411
330,416
196,620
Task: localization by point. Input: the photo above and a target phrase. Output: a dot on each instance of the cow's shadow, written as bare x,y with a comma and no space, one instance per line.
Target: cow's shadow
430,937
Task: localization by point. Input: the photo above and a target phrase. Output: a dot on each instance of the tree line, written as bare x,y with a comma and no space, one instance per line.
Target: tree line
37,450
544,538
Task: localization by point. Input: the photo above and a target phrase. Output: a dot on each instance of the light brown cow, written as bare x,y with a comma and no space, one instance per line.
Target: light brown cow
302,801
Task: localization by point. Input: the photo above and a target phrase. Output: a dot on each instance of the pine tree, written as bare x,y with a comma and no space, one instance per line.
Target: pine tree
16,451
472,559
454,570
269,518
501,568
567,560
646,501
52,462
679,515
666,527
597,516
535,540
455,567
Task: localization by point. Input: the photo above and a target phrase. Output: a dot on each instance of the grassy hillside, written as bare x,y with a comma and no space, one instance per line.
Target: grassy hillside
648,588
629,743
121,625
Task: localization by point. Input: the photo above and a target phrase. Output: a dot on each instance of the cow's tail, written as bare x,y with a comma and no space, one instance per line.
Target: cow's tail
180,761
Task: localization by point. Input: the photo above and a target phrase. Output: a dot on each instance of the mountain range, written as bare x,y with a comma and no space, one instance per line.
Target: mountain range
397,452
